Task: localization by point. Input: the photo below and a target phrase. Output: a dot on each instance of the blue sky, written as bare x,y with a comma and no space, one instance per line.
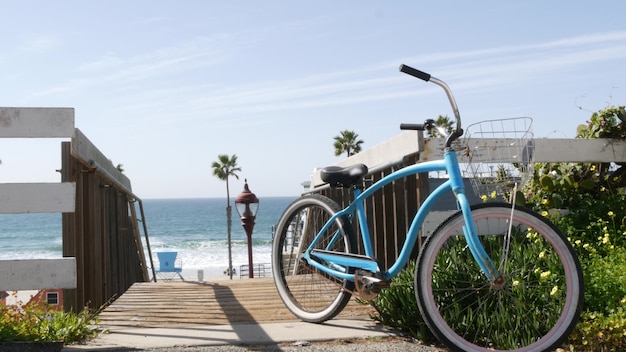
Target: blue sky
163,87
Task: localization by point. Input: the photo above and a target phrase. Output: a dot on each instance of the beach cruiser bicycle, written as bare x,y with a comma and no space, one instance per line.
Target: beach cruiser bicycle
493,276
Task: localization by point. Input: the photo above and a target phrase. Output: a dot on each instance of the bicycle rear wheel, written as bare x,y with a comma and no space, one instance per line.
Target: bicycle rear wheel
535,308
309,294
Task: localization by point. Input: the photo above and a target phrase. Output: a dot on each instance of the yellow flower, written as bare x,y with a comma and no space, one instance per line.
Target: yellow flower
554,290
531,234
544,275
544,201
493,194
578,242
611,214
544,213
542,254
515,283
592,168
484,198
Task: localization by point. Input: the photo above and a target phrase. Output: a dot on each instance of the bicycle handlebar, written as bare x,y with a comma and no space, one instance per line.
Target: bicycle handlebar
415,72
458,132
412,126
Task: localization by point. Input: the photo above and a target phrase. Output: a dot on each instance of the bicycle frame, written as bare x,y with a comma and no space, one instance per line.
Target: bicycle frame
454,184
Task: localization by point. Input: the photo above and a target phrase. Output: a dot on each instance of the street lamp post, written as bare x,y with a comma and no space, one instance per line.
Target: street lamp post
247,205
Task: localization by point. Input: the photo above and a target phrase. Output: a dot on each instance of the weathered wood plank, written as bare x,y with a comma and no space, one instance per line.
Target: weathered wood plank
18,198
37,274
434,219
580,150
89,154
169,304
548,150
36,122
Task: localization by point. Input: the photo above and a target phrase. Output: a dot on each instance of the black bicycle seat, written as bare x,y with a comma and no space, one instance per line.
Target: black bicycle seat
338,176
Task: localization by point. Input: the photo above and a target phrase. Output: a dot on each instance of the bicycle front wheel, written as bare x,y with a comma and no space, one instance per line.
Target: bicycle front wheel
309,294
534,308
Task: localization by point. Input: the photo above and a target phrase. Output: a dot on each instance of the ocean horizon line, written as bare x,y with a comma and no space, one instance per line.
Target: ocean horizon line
232,197
196,228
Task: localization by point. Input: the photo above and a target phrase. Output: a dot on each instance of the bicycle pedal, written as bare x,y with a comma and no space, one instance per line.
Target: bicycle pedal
374,283
367,285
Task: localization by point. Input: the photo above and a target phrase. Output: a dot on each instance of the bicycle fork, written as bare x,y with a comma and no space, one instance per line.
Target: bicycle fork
476,248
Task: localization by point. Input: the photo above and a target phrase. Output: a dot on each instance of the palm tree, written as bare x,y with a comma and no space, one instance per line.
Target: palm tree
348,143
441,122
224,168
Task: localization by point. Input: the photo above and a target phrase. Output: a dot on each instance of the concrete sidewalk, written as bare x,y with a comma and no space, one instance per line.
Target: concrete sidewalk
267,334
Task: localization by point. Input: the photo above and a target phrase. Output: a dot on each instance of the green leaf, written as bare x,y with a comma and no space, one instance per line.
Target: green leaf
546,182
587,184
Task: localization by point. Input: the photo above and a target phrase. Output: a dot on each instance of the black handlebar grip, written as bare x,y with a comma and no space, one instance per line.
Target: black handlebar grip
412,126
415,72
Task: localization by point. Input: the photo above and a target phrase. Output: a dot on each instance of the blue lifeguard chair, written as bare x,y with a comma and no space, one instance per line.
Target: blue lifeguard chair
169,266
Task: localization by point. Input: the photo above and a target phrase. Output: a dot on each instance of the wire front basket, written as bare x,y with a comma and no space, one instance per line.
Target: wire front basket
498,155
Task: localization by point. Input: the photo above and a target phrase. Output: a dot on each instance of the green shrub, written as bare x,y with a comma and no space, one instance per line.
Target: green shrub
396,306
600,332
601,244
605,279
597,225
594,195
43,324
564,185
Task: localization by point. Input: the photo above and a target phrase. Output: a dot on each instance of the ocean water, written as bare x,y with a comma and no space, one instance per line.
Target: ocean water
195,228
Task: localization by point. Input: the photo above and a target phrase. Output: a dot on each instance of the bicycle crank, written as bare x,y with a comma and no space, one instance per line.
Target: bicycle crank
367,286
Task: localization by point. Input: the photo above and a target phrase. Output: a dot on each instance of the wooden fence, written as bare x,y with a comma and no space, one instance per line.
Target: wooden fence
103,233
391,211
103,251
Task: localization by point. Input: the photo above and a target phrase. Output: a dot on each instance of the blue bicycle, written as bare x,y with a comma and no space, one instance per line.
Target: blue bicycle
493,276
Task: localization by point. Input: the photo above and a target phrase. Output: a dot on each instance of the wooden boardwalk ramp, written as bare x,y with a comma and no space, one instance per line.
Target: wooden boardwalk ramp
178,304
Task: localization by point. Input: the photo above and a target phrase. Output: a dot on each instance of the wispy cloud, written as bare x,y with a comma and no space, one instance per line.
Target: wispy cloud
40,43
490,68
486,69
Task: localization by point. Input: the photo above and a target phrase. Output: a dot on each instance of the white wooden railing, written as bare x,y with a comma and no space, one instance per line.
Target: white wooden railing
17,198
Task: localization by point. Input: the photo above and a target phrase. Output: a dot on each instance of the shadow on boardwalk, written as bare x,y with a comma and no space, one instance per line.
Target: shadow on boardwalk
177,304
